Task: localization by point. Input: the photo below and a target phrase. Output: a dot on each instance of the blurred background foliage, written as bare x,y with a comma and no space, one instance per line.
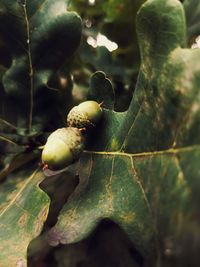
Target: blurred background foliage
109,43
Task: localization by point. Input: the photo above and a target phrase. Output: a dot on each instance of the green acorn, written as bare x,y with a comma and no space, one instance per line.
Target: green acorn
62,148
85,115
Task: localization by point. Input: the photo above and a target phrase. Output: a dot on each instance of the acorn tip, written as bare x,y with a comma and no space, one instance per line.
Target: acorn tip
45,167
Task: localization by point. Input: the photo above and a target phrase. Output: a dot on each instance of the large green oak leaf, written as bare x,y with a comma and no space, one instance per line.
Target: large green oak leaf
141,168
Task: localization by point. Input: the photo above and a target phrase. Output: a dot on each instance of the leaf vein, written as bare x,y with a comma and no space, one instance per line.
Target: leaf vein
145,154
133,124
13,201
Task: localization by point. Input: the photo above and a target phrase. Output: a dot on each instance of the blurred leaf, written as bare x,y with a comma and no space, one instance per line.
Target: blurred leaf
46,36
111,19
101,90
13,161
23,210
142,169
121,10
192,10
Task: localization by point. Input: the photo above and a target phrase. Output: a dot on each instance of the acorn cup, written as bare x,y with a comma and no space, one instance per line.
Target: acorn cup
63,147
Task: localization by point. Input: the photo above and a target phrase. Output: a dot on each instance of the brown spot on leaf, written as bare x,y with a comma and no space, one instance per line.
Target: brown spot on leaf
128,217
23,219
38,226
43,213
181,176
120,8
40,219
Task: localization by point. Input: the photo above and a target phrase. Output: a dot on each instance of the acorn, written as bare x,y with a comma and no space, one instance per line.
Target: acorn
63,147
85,115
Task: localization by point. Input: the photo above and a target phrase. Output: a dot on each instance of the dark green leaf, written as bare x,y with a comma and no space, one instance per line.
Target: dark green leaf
101,90
41,36
23,210
142,169
192,10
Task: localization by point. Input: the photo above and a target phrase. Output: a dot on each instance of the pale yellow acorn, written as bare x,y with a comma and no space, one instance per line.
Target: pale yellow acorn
85,115
62,148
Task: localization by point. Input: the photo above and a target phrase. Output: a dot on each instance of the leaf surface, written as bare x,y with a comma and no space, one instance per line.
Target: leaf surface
23,210
141,167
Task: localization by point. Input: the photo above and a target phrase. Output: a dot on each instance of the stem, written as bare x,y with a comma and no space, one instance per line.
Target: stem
8,124
30,67
3,138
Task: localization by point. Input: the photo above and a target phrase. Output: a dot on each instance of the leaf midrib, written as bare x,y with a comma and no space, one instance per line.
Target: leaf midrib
145,154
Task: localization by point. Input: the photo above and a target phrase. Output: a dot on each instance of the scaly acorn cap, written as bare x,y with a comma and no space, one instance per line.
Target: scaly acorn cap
62,148
85,115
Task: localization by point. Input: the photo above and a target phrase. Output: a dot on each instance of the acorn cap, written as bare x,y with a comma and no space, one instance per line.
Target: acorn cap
85,115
